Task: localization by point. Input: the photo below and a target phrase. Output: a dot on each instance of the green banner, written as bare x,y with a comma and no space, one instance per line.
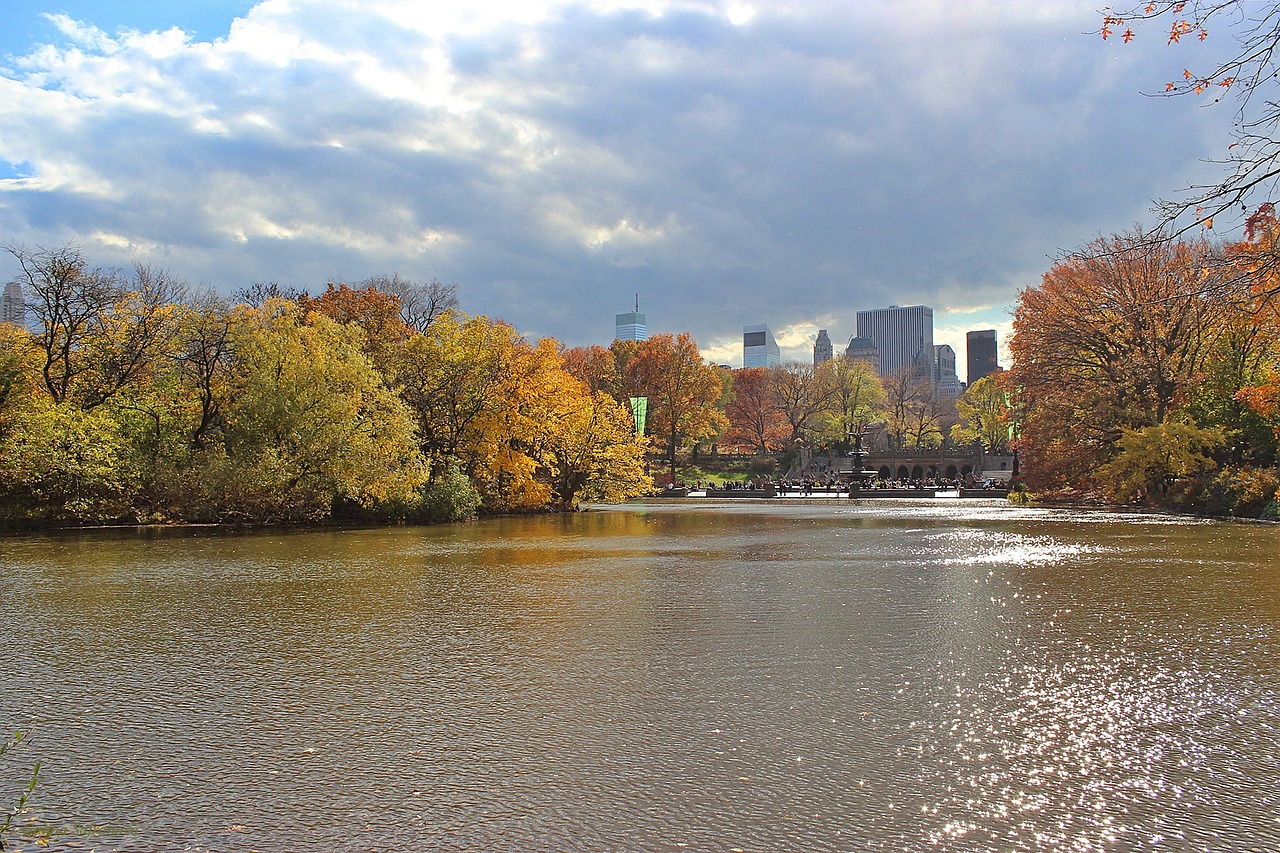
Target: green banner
640,408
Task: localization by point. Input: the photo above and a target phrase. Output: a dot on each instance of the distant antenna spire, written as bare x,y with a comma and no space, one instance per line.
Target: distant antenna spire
637,303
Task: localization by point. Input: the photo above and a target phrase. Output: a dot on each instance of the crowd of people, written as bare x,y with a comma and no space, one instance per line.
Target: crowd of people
831,484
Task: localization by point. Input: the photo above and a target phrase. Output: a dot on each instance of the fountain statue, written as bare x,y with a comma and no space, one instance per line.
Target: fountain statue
862,476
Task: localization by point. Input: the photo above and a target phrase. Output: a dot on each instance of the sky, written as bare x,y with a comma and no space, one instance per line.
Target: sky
726,162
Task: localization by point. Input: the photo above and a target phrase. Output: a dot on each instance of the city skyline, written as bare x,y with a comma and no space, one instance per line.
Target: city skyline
729,160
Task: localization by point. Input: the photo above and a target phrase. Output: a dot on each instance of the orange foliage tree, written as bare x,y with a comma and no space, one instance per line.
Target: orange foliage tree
754,417
682,391
1115,337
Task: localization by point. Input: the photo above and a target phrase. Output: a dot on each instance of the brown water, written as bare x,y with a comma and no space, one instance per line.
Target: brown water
926,676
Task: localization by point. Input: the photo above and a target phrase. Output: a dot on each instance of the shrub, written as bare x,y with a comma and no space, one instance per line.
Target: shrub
450,496
1243,492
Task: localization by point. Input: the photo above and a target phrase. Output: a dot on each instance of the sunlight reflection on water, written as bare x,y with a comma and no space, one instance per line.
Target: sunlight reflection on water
656,677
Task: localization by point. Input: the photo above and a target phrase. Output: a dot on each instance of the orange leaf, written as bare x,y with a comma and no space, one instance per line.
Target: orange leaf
1186,74
1168,87
1106,31
1128,36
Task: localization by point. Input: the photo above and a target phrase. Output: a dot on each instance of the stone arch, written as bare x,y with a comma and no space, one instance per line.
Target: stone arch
917,472
951,472
903,473
885,472
966,470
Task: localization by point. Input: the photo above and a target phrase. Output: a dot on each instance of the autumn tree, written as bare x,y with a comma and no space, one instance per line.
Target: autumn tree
597,367
1238,61
579,444
1115,337
455,379
308,421
682,390
374,312
420,303
755,420
801,394
1148,459
913,410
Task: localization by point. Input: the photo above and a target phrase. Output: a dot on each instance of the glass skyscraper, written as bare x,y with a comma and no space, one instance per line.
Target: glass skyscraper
630,327
759,349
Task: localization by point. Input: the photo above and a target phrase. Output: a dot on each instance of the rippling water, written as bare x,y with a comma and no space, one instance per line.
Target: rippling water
695,677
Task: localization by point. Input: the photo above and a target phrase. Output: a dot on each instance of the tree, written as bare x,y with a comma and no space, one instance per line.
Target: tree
64,464
801,394
1116,336
67,299
377,314
455,378
1148,458
682,390
597,368
99,331
857,398
985,415
912,410
1247,69
754,417
203,362
308,421
420,304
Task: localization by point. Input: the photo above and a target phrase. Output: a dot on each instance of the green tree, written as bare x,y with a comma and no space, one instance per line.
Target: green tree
857,399
985,414
308,421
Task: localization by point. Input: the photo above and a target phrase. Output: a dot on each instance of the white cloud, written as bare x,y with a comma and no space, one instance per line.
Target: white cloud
733,162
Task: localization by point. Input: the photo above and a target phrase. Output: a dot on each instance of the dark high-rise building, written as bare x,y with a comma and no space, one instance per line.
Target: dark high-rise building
822,350
903,337
983,354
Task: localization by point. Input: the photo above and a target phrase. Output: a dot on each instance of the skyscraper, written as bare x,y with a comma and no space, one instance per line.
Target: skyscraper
903,337
983,354
821,348
13,308
631,326
759,349
944,372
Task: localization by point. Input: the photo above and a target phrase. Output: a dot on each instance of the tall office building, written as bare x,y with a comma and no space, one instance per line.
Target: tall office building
13,308
983,354
759,349
631,326
944,372
822,350
903,337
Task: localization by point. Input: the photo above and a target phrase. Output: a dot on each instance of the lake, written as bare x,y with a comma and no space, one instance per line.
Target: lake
816,676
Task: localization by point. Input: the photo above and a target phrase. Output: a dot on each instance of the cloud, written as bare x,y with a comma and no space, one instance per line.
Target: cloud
730,162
